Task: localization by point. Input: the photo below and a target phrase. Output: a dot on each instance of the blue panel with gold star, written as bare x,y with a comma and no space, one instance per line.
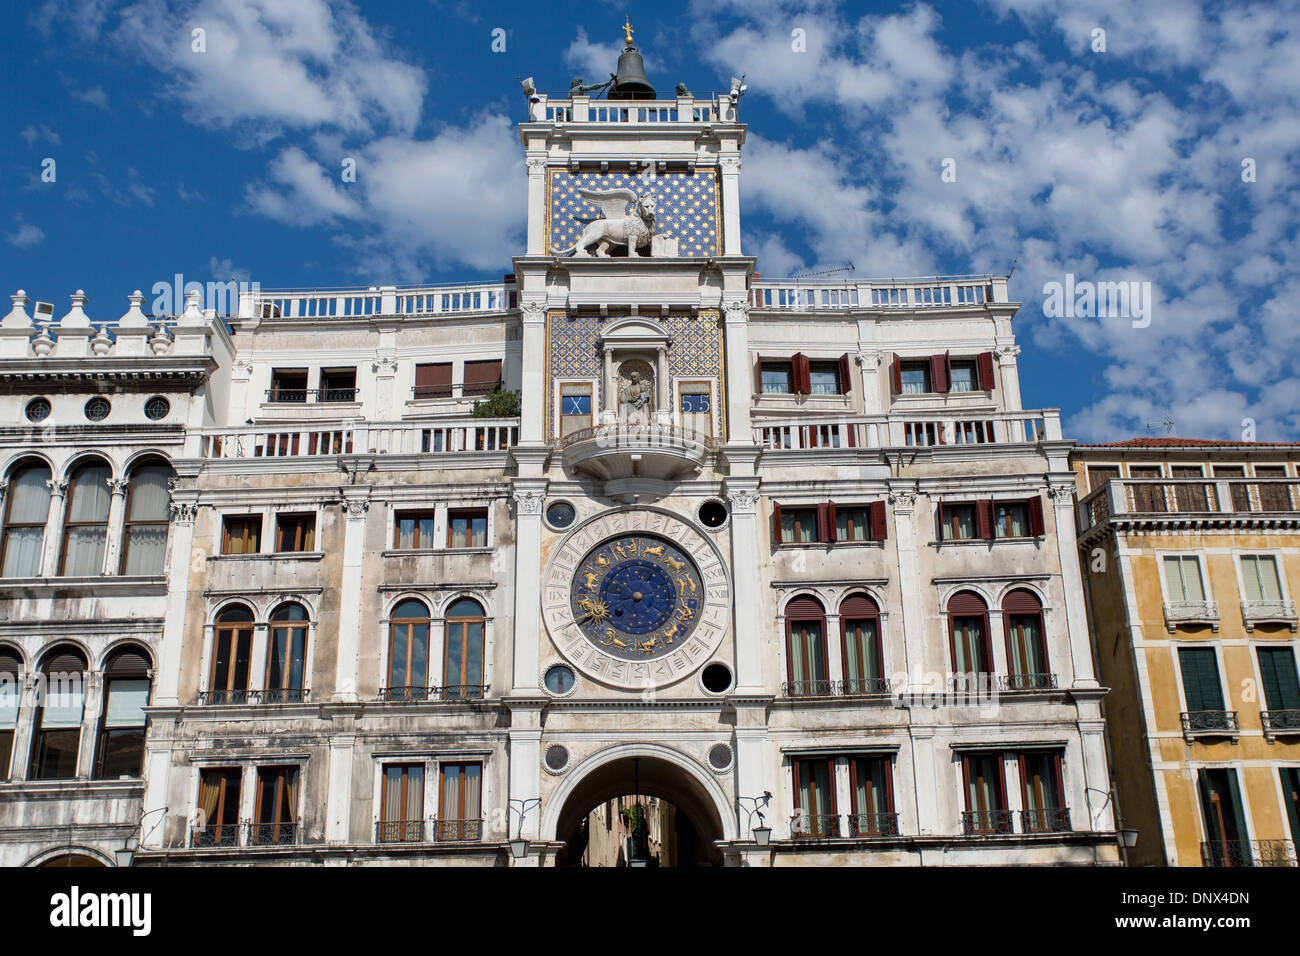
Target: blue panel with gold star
688,208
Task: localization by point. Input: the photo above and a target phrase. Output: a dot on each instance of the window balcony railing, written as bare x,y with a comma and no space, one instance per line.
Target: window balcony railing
1045,820
1280,723
276,695
855,687
215,835
399,831
319,396
217,697
286,440
1248,853
873,824
1191,612
986,822
449,693
1194,499
1015,682
814,826
1269,612
1209,723
457,831
422,392
271,834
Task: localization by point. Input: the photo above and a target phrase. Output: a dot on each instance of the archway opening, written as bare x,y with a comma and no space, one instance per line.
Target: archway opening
639,810
72,859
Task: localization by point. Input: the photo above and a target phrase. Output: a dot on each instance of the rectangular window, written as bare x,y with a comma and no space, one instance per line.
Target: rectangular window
1291,797
461,795
970,650
295,532
915,378
814,800
401,804
985,786
1226,842
1277,672
288,385
337,385
1201,685
1273,495
9,697
482,377
241,535
433,380
958,522
807,649
1043,793
863,671
1239,490
413,529
467,529
218,807
696,405
1259,575
776,378
1148,496
1183,578
575,407
1011,519
1027,651
852,523
1100,474
121,741
964,377
798,525
824,378
871,784
276,806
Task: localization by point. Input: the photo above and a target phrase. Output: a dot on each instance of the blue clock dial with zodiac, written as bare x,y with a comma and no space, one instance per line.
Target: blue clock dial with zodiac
637,596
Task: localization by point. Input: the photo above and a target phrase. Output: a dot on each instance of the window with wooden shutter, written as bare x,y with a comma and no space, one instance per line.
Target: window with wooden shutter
985,363
879,527
1201,686
846,378
802,373
824,525
897,374
939,378
1277,673
984,519
1098,475
482,377
776,524
1036,516
433,380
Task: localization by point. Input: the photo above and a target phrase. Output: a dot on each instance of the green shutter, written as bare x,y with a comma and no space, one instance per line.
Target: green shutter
1201,679
1277,670
1291,796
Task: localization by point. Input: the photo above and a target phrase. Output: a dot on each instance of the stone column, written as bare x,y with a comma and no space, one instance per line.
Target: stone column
180,540
730,167
903,498
740,372
525,771
356,504
1096,774
871,404
528,495
1076,616
536,207
92,704
746,621
533,373
338,804
1010,377
116,524
385,369
25,729
54,527
925,782
751,763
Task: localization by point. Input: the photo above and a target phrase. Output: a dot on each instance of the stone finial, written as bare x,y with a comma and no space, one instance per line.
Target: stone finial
18,317
193,314
161,341
102,343
134,317
76,317
43,344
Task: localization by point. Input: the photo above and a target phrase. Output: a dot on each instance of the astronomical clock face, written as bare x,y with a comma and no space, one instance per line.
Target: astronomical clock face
636,599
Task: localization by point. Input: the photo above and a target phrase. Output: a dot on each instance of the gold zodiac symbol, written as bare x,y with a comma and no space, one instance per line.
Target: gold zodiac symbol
684,612
591,580
658,550
602,560
686,583
669,634
673,562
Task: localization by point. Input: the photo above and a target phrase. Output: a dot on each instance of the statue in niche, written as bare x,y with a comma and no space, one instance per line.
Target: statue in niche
635,393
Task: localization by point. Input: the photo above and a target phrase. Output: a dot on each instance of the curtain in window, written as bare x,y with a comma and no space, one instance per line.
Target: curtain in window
392,810
210,797
871,788
473,791
982,791
1259,573
88,501
1040,782
149,495
814,787
863,651
808,662
148,504
290,806
1027,644
127,699
459,532
968,645
64,701
450,808
29,505
797,526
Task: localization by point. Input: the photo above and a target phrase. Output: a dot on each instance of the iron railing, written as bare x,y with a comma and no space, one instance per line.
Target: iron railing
1280,722
319,396
1045,820
450,692
1209,723
457,831
271,834
814,826
449,390
873,824
986,822
1248,853
275,695
215,835
854,687
1014,682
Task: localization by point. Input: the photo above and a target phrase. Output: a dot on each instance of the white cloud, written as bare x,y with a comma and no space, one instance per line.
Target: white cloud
26,235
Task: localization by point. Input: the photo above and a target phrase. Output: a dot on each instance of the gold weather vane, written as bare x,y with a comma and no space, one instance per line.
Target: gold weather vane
627,29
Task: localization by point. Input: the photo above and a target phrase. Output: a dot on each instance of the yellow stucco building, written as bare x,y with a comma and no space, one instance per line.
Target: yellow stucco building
1191,560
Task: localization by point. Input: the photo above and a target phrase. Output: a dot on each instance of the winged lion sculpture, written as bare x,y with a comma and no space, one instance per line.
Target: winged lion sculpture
619,226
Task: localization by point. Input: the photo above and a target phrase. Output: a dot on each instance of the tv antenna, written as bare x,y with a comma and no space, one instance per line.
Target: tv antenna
1167,424
849,267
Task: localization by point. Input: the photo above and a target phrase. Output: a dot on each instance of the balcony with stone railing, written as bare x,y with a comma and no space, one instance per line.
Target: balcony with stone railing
700,109
913,430
1269,612
1191,612
1187,502
623,450
423,301
449,437
936,292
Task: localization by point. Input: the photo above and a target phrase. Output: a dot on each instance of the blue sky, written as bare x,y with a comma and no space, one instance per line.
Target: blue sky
1122,164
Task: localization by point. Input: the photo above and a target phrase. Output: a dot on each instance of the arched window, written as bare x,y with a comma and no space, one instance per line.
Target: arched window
1022,616
27,506
805,645
121,732
463,661
148,500
232,648
11,669
85,526
287,655
57,743
408,652
968,630
864,671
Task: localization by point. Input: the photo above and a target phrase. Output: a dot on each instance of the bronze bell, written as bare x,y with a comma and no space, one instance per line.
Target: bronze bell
631,82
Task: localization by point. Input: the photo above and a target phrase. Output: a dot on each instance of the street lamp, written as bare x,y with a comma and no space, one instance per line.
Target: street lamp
125,856
518,845
762,833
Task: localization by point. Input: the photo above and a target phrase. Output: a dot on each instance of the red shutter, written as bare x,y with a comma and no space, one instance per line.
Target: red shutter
758,375
830,521
966,604
776,523
938,520
803,609
846,382
482,377
801,373
898,374
822,532
858,606
984,518
938,374
1021,601
986,371
947,369
879,529
1036,516
433,380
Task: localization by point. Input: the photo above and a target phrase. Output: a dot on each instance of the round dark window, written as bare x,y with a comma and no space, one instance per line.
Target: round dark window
157,408
557,757
97,409
560,514
719,756
38,409
559,679
713,514
716,678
